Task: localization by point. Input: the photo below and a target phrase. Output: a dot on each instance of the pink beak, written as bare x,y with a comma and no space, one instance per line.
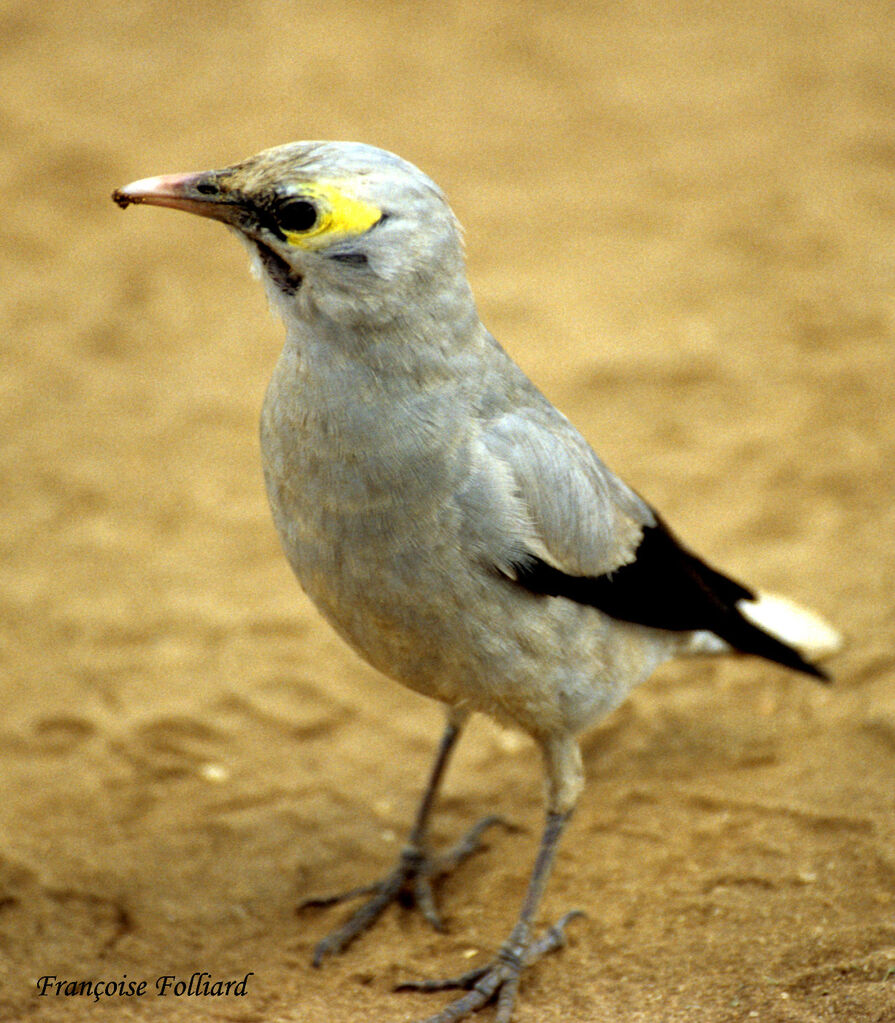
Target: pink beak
193,193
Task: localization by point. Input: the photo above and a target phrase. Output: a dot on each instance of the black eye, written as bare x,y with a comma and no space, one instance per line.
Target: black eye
296,215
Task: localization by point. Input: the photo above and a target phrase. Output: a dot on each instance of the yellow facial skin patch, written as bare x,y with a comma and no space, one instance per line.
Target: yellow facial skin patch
339,215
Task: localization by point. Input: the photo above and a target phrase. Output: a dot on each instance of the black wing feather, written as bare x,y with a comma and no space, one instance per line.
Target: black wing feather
667,587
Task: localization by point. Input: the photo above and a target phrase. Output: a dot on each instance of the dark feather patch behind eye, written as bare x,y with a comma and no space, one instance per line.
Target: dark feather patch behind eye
353,258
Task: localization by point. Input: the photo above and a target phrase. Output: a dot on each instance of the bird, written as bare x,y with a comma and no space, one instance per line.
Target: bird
445,518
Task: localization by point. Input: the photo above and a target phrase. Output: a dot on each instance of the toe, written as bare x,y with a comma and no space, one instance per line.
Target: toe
425,901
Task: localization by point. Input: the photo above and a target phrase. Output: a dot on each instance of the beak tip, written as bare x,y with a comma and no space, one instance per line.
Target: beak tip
149,189
177,191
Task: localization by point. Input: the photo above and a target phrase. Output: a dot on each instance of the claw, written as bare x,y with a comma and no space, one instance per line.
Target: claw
470,843
410,881
465,980
498,979
324,901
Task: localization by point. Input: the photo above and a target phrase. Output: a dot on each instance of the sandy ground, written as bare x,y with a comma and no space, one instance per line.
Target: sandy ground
682,225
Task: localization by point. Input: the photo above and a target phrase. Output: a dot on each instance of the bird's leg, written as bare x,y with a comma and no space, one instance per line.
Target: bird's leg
411,879
499,979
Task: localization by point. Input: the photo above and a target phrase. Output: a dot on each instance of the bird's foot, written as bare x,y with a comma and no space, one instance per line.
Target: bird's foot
410,883
496,981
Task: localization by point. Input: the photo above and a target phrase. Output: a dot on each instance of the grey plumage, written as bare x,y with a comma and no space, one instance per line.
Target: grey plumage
420,482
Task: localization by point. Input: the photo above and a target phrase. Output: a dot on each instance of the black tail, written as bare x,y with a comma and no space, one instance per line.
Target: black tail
668,587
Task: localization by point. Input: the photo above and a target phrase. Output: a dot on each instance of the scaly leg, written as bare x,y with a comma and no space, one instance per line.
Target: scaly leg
499,979
416,869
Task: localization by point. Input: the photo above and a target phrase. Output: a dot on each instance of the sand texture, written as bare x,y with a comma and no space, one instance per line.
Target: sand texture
680,221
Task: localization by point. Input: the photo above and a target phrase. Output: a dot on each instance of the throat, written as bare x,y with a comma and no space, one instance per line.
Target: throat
280,272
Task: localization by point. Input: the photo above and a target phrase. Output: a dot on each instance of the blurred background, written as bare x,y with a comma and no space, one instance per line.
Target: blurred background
679,220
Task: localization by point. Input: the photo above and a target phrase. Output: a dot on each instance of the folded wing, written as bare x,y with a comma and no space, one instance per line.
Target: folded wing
582,534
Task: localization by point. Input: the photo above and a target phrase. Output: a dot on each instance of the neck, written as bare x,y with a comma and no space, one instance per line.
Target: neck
417,348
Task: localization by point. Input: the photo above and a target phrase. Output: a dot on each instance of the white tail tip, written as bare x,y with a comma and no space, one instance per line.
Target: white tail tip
805,630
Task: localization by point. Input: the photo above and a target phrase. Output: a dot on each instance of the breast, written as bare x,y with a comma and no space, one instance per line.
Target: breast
362,507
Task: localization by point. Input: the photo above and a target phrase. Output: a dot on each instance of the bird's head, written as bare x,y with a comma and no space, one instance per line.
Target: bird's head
340,229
